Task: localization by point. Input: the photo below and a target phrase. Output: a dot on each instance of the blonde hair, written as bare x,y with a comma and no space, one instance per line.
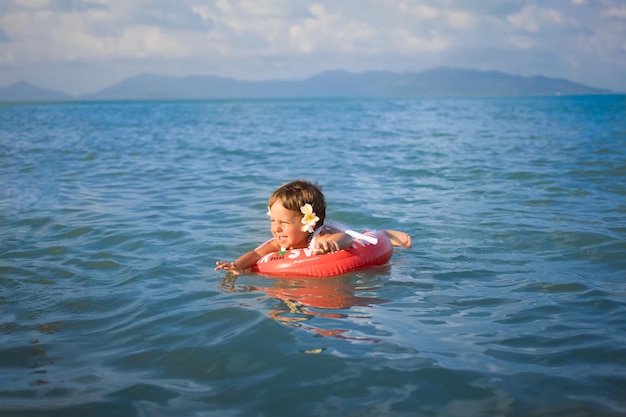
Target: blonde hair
296,194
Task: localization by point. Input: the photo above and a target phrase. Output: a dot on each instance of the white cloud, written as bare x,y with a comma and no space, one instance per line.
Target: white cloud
409,43
534,19
325,31
618,12
203,12
285,38
33,4
419,11
522,42
461,20
71,36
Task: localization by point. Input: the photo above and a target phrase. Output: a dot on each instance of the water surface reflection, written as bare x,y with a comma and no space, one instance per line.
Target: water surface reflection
330,301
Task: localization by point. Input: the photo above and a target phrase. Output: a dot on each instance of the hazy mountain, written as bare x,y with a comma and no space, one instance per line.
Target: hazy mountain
436,82
23,91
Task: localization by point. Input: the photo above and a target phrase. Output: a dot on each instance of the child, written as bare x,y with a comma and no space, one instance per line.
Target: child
297,212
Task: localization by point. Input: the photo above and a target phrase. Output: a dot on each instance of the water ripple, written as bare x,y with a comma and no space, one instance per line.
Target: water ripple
511,301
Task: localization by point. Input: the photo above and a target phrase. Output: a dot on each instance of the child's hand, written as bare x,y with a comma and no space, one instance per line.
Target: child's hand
327,246
228,266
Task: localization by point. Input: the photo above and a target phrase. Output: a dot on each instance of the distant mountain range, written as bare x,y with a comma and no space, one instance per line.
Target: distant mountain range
23,91
436,82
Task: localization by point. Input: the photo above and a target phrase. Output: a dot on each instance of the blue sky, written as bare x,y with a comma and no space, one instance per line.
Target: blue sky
81,46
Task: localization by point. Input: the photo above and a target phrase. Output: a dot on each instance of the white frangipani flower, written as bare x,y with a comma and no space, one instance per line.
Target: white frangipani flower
310,219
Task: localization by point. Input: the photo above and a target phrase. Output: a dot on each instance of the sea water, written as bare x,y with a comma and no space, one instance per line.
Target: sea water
512,301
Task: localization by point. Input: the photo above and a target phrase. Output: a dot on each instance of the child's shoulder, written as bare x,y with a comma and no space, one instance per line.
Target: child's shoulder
267,246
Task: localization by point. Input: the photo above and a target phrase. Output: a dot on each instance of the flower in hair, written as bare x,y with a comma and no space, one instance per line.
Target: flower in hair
309,220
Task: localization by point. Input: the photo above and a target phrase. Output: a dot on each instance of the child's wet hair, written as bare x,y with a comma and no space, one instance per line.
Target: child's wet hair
296,194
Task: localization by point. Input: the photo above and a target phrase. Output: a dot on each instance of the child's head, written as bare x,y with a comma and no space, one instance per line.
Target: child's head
296,194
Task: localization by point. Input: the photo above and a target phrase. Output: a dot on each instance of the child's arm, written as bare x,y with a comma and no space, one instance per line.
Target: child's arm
248,259
333,242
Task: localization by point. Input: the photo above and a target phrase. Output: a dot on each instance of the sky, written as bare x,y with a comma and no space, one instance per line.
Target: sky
83,46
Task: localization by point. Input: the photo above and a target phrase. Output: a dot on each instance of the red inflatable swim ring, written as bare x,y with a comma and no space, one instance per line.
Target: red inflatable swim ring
307,263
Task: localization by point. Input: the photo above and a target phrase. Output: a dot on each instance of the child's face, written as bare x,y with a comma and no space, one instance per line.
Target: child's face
286,227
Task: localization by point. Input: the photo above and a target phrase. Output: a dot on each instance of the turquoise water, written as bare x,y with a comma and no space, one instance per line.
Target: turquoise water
512,301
